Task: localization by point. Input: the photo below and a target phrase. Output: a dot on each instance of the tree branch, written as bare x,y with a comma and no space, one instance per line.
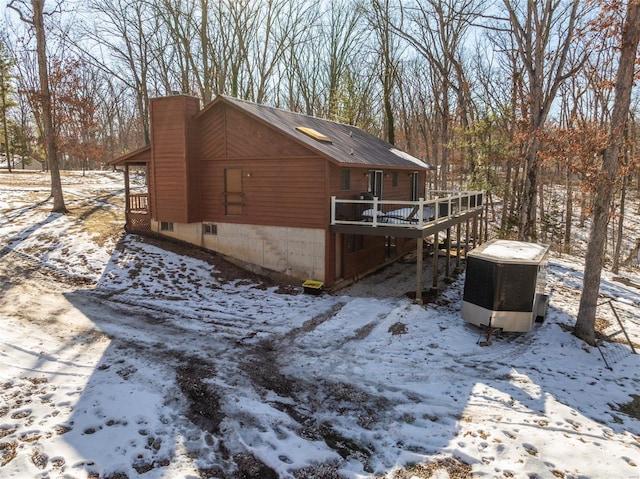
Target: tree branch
12,5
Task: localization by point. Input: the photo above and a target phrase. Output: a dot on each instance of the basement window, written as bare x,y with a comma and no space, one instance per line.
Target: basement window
315,134
209,229
166,226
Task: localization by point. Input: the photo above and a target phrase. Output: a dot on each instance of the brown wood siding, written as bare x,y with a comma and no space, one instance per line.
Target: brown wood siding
404,245
249,138
360,183
213,150
283,182
212,134
194,210
403,191
170,119
282,192
365,259
211,190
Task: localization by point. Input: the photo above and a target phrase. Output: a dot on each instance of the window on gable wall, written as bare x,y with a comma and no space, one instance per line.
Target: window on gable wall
394,179
346,179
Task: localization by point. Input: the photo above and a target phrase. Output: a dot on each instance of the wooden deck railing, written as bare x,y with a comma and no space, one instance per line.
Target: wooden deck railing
138,202
404,214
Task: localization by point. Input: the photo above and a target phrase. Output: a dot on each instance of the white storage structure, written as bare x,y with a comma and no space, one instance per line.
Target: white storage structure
504,285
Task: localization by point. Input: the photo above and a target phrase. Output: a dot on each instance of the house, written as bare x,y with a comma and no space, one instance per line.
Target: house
256,183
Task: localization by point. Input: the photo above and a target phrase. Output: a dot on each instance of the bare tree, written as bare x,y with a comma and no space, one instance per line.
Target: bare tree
174,49
301,69
437,30
6,88
195,36
388,52
543,32
126,30
585,324
343,37
34,16
498,85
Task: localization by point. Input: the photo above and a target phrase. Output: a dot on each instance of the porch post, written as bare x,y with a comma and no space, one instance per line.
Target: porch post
127,206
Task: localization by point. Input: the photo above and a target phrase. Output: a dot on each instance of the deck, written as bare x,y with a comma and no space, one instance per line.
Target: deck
414,219
405,219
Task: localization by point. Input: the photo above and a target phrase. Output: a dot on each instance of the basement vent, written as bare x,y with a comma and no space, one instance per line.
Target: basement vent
316,135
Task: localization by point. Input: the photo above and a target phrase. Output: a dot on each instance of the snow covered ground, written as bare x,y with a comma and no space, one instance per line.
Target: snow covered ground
122,359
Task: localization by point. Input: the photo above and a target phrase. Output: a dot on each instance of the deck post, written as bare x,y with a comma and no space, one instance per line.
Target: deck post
436,251
419,250
466,240
447,267
458,238
485,217
480,225
475,231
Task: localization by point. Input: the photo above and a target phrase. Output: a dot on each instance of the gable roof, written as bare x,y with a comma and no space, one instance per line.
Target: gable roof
348,145
140,156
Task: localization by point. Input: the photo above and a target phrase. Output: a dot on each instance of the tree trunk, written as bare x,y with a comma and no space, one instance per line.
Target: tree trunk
516,193
532,28
584,203
4,124
585,324
506,201
566,246
444,138
527,227
47,120
618,243
541,206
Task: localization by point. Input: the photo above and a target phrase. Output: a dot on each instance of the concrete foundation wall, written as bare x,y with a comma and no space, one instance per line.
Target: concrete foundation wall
295,252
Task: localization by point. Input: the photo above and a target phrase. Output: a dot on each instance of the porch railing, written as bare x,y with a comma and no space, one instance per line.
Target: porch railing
404,214
138,202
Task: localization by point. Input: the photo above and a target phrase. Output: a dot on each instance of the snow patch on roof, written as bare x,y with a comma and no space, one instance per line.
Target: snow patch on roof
407,156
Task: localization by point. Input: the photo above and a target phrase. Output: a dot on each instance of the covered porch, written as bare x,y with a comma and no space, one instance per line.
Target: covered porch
137,207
